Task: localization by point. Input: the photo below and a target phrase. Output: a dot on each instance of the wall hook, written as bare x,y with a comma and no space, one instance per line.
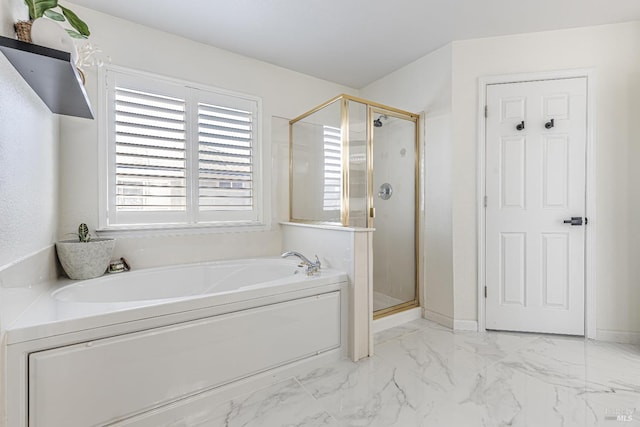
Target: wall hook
550,124
520,125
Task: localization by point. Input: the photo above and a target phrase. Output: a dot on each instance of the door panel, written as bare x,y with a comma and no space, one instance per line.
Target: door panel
513,276
393,154
535,167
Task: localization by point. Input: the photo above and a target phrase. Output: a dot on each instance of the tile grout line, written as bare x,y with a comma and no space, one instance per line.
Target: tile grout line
308,393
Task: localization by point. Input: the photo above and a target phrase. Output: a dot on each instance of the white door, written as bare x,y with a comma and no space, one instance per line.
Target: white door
535,183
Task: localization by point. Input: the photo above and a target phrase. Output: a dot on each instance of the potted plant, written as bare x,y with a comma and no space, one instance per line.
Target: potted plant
85,257
47,8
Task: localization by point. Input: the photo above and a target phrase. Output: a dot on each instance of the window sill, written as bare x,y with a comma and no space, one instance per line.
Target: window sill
179,230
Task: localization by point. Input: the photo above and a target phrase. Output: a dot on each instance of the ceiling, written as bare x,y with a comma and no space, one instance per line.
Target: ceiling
355,42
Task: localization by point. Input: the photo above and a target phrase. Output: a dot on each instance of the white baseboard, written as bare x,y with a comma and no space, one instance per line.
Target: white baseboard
440,319
396,319
448,322
465,325
623,337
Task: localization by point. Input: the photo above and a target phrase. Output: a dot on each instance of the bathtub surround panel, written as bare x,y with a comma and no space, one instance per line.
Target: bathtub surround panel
349,250
128,379
35,268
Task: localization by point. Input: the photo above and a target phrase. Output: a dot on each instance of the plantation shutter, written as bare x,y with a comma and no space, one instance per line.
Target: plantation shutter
332,168
226,157
150,143
179,155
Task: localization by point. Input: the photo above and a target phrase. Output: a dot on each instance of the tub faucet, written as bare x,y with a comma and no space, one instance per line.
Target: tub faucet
312,267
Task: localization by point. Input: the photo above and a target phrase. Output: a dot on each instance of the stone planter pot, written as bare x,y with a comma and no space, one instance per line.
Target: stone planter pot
85,260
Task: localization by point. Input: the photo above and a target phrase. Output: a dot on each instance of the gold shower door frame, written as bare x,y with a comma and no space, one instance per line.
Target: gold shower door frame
373,108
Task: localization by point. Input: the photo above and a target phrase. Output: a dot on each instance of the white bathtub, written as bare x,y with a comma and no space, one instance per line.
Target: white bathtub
191,281
134,345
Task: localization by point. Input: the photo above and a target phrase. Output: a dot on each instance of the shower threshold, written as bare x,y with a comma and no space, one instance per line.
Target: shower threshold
400,307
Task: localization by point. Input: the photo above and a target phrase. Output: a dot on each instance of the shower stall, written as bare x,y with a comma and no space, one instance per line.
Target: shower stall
355,163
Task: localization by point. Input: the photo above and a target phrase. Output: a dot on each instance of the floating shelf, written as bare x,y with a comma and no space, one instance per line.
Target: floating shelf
51,75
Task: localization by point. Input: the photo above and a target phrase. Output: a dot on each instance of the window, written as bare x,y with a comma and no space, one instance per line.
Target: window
178,155
332,168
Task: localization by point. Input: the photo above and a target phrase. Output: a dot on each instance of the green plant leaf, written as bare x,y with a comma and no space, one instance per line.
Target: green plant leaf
76,22
38,7
51,14
74,34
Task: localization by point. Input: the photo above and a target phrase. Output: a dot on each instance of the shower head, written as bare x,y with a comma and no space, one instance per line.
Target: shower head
378,122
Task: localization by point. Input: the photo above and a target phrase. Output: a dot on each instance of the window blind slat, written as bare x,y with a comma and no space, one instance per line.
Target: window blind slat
227,122
143,163
225,142
128,145
213,110
123,138
149,99
151,121
220,131
144,130
207,176
131,190
226,160
149,172
136,108
225,149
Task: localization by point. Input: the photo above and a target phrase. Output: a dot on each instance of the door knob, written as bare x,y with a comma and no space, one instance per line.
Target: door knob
520,125
550,124
575,220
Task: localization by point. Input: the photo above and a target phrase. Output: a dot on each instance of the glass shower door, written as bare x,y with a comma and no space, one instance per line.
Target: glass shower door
393,195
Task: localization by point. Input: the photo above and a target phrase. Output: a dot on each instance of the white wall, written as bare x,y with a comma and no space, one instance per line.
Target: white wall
613,52
444,84
285,93
28,179
28,159
425,86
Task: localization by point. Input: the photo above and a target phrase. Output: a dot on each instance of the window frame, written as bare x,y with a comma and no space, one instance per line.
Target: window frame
193,93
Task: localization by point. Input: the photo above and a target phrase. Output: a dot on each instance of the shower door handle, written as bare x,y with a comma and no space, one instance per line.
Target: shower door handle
386,191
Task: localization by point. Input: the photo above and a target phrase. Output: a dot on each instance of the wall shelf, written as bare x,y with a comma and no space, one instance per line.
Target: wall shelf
51,75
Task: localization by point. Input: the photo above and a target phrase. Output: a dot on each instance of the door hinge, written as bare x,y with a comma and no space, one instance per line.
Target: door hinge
485,291
372,212
485,201
586,220
486,111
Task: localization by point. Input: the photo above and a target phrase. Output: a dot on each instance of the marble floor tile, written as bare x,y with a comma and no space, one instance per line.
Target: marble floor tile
372,393
425,375
444,358
284,404
404,329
